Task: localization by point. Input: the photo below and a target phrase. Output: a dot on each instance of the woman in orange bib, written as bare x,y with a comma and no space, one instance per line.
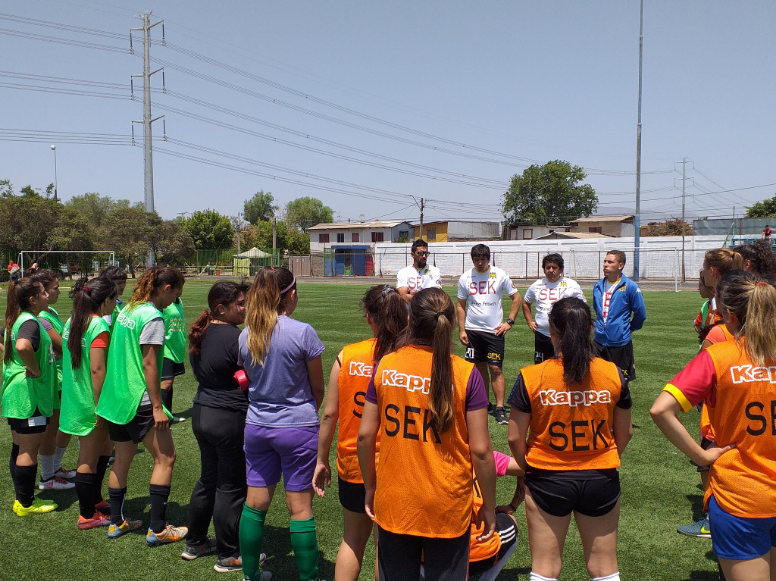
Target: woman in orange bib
386,315
430,409
575,411
738,382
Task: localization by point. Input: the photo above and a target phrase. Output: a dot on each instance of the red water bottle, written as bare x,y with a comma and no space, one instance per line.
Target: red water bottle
242,379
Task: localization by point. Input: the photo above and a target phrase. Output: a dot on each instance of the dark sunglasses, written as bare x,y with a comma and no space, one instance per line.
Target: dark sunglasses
421,253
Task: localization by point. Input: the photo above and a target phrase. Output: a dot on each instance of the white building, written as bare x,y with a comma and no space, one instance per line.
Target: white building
358,233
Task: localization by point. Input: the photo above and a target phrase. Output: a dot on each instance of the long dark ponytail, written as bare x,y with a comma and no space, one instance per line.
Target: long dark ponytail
87,297
571,321
388,311
19,295
224,292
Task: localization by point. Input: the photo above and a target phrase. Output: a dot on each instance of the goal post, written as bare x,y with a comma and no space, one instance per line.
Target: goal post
68,263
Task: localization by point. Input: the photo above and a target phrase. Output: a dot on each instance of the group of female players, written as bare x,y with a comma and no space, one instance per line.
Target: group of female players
414,459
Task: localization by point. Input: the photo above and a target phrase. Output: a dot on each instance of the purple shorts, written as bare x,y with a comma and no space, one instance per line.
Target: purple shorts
270,451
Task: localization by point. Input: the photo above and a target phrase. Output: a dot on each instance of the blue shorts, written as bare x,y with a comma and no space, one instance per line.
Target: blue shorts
272,451
739,538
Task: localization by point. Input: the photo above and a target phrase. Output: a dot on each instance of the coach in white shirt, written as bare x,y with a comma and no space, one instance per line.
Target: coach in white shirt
545,292
480,325
420,275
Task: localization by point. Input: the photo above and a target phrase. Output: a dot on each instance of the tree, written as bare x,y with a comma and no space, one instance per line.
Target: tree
548,194
260,208
209,230
170,243
26,222
305,212
673,227
764,209
97,208
127,231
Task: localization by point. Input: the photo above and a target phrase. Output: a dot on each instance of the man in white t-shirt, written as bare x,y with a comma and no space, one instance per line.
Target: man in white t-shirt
545,292
420,275
480,315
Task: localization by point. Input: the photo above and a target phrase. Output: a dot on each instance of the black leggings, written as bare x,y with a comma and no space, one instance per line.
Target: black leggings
399,557
220,492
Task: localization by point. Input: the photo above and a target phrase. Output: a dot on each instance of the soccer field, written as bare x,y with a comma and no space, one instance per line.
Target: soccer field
660,487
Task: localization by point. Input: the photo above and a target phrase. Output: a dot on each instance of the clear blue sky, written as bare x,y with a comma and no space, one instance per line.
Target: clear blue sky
526,81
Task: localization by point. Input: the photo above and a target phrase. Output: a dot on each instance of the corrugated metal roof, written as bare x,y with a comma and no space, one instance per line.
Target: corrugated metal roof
602,219
356,225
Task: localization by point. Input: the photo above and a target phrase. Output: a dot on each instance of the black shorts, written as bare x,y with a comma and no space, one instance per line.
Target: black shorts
588,492
506,528
352,495
485,347
621,356
400,556
543,348
35,424
171,369
705,444
136,429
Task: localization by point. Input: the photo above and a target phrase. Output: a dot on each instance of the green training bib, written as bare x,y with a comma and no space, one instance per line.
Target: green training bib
52,316
175,337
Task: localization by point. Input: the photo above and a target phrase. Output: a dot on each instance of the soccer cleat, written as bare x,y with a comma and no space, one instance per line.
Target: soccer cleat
207,547
265,576
38,506
55,483
115,531
491,409
64,473
501,416
226,564
170,534
97,520
178,419
103,506
699,529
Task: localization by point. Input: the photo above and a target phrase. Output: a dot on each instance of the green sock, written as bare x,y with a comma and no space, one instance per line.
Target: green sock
251,536
305,545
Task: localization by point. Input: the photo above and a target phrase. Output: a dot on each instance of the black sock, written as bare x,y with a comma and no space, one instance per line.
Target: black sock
167,398
99,477
25,484
159,495
84,487
12,461
116,499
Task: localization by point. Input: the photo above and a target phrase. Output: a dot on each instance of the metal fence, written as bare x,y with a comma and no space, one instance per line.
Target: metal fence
662,264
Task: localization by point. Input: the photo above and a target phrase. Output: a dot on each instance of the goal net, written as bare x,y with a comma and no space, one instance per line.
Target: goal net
68,264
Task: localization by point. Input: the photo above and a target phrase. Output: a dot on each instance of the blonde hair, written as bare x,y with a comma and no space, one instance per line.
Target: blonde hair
753,302
263,304
723,260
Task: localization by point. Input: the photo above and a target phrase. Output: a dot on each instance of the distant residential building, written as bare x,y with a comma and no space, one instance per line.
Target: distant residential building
619,226
458,231
525,232
359,233
560,235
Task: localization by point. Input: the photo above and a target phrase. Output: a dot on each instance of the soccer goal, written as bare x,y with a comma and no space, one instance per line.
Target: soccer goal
68,263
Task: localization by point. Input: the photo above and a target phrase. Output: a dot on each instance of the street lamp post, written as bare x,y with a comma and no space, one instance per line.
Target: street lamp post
54,149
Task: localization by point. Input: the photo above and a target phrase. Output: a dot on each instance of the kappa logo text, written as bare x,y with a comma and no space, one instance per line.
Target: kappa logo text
360,369
747,373
574,398
392,378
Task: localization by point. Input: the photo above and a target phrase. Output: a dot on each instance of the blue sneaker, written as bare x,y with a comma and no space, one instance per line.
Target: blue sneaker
699,529
115,531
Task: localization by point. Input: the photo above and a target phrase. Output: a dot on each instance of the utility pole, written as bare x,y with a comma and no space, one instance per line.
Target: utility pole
274,239
421,218
637,221
148,164
684,182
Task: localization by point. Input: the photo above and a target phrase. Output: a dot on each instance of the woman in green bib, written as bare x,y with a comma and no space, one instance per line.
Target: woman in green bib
28,392
174,351
86,338
132,405
54,445
118,277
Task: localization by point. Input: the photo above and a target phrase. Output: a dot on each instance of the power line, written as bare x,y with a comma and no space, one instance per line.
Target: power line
67,41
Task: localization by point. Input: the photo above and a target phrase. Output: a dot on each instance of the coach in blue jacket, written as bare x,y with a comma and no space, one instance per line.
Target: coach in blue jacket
619,310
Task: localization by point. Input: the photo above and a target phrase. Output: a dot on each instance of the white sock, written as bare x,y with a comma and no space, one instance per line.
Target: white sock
612,577
537,577
58,455
46,466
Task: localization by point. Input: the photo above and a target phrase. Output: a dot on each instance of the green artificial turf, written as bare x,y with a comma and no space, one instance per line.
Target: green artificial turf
660,487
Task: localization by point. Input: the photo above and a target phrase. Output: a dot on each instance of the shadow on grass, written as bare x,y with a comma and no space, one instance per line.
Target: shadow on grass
703,576
280,558
64,498
513,574
696,501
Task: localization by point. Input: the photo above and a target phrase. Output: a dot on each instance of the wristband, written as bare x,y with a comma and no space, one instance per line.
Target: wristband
512,507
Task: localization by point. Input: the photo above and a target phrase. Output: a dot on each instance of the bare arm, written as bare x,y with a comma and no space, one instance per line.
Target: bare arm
405,293
481,452
315,375
56,342
516,302
528,316
517,433
622,428
322,474
460,311
367,443
664,413
151,375
27,355
98,358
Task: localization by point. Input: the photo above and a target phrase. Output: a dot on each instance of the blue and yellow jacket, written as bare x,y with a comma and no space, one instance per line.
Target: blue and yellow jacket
626,300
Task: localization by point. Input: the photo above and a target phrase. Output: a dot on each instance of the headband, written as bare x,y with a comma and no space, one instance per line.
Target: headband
761,283
289,287
87,289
